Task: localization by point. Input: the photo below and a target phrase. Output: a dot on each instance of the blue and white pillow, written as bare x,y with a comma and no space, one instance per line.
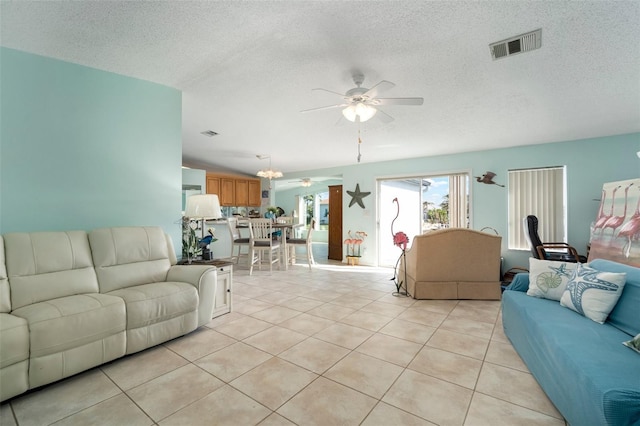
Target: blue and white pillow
633,343
593,293
548,279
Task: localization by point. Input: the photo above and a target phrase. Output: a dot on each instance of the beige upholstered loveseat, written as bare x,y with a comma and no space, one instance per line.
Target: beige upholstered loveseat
455,263
70,301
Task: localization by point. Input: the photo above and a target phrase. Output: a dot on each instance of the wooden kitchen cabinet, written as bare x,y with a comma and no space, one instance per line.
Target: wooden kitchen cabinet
242,192
235,191
255,196
227,192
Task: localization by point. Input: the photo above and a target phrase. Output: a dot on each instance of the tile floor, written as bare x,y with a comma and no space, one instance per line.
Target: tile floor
331,346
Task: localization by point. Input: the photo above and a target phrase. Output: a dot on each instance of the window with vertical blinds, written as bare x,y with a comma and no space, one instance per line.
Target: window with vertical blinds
540,192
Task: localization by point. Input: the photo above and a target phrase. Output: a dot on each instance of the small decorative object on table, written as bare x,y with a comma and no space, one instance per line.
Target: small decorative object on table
354,247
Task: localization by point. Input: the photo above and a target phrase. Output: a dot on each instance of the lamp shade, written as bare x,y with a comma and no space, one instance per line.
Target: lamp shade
206,206
363,111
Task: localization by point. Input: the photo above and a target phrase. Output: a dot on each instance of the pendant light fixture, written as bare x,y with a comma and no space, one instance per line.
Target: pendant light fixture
268,173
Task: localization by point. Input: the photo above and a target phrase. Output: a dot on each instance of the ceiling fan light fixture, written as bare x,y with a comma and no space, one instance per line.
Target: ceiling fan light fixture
268,173
359,110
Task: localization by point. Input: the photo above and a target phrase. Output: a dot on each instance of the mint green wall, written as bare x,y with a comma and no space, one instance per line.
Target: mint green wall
590,163
82,148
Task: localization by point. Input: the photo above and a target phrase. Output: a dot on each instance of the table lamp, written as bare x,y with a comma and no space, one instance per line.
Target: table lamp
202,207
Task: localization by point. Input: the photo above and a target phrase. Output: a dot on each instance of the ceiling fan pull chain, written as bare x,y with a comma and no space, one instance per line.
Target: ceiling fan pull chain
359,143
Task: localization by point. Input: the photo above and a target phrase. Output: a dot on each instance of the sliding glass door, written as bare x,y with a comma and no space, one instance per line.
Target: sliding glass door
424,203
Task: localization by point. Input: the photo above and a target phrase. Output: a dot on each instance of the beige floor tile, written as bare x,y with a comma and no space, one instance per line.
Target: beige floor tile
404,301
242,328
468,326
364,373
367,320
463,344
6,415
275,339
173,391
276,314
351,301
231,316
250,291
432,399
386,415
408,330
307,324
277,297
504,354
251,306
325,402
439,306
483,310
322,295
344,335
265,383
138,368
116,411
276,419
224,407
233,361
514,386
332,312
64,398
422,316
303,304
314,355
382,308
389,348
199,343
374,294
485,410
498,333
454,368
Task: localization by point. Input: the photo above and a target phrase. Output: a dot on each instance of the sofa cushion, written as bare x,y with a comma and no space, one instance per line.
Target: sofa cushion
624,315
129,256
5,295
48,265
548,279
14,340
581,365
158,312
593,293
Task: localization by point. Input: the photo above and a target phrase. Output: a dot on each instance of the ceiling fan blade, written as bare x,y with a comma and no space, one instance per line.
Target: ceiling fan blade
397,101
383,117
382,86
330,91
324,107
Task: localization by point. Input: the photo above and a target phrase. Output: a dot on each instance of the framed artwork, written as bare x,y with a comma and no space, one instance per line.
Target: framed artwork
615,233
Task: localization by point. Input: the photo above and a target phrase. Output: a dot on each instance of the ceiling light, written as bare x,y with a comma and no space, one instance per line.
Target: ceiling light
268,173
306,183
359,110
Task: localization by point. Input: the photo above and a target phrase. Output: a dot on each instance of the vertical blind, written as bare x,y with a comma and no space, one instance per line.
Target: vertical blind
458,201
539,192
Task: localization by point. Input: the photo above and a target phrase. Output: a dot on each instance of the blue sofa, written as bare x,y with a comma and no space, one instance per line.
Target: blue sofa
581,365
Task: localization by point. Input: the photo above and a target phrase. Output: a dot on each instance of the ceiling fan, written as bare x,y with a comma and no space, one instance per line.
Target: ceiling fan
361,104
306,182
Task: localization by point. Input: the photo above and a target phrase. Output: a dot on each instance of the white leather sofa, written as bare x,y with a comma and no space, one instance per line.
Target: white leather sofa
70,301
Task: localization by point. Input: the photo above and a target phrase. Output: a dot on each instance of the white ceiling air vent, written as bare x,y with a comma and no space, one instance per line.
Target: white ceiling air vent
209,133
515,45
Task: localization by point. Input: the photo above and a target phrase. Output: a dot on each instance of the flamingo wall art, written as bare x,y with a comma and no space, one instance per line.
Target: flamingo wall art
615,232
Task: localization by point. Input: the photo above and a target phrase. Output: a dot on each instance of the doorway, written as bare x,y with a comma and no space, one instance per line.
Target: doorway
425,203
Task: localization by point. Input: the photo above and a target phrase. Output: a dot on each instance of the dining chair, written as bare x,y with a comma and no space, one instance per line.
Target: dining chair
292,243
237,240
262,243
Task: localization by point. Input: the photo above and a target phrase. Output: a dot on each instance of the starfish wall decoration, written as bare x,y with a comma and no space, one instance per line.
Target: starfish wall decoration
357,196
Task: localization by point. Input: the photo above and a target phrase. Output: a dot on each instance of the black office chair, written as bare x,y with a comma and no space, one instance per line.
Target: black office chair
539,249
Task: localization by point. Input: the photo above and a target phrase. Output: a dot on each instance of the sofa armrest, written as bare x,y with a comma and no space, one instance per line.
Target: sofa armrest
520,282
205,279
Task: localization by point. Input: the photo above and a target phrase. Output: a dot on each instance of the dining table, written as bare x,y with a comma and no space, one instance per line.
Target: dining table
284,228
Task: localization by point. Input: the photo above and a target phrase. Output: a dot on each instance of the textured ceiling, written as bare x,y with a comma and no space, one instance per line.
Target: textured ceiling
246,69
